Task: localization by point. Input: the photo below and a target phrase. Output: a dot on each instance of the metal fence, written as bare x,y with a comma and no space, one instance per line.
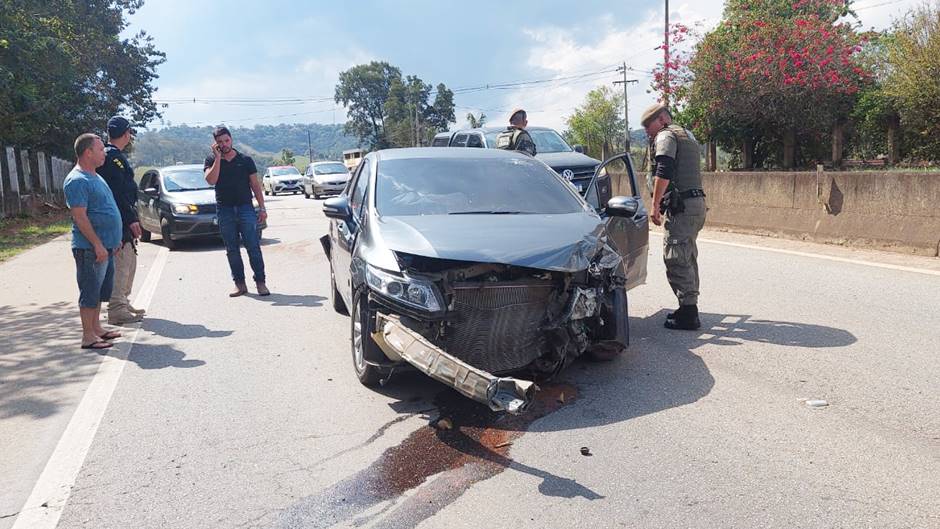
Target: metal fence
29,180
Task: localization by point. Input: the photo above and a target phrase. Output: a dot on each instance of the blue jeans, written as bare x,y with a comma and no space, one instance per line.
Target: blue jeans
95,280
240,224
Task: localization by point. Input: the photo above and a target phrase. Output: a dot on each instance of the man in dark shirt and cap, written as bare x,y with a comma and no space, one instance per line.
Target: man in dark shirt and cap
119,175
235,178
515,137
674,162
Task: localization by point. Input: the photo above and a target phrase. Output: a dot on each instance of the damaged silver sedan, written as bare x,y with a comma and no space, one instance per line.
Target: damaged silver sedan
483,268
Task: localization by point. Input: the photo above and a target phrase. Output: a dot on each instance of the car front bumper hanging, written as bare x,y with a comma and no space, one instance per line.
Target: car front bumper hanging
499,393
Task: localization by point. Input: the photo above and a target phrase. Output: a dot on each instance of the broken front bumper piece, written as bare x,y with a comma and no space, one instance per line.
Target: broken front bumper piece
499,393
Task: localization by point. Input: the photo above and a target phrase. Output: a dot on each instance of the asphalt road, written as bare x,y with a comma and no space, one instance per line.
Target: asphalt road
246,412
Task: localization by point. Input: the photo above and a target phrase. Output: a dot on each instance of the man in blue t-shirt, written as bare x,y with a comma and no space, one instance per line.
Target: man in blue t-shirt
96,234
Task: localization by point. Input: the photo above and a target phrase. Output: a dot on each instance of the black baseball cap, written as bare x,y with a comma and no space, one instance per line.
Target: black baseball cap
118,125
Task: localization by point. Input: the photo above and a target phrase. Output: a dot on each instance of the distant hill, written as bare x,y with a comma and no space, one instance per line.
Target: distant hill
185,144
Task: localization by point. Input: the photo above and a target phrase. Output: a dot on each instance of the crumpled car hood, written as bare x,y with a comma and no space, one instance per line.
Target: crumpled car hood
564,243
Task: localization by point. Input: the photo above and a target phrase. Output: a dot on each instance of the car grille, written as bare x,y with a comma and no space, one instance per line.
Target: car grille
337,183
579,172
207,208
495,326
288,182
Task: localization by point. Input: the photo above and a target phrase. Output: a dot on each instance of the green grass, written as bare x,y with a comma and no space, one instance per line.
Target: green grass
19,234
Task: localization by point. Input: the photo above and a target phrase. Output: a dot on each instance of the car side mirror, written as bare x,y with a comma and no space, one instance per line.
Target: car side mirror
337,208
579,148
152,191
623,207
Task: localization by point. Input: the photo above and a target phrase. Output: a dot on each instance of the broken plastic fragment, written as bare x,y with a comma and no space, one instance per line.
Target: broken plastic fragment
817,403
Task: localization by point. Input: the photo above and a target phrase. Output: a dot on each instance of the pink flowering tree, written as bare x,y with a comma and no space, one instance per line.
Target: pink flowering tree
777,71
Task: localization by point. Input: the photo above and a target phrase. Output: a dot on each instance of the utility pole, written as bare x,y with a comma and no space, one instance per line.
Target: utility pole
626,118
666,59
309,147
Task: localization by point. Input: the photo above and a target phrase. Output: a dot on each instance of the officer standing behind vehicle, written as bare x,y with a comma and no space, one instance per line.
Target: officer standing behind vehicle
119,175
677,193
515,137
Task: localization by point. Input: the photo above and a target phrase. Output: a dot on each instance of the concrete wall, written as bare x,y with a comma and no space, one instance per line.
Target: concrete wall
885,210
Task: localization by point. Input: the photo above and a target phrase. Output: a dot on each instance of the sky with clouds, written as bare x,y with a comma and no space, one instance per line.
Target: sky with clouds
294,50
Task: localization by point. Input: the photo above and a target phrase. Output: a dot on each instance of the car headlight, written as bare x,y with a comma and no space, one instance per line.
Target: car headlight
185,209
408,290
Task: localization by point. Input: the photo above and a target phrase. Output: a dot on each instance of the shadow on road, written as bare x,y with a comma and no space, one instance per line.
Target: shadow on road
160,357
290,300
181,331
39,357
210,244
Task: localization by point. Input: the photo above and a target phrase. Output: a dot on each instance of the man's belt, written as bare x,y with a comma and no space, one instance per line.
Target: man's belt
691,193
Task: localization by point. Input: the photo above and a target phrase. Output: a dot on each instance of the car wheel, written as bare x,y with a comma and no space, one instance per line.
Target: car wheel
144,235
273,192
306,194
338,304
266,192
363,324
315,195
168,241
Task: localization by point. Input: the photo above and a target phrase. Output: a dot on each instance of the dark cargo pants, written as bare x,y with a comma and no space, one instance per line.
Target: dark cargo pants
680,252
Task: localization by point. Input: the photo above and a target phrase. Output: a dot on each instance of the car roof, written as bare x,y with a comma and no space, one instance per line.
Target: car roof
281,167
182,167
412,153
320,162
497,129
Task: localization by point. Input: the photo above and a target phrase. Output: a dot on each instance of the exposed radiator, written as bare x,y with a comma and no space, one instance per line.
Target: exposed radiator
495,325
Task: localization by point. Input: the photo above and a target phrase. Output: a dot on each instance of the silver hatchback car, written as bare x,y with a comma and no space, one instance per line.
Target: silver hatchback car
324,178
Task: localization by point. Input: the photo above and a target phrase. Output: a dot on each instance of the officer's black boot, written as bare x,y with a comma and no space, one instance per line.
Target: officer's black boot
686,318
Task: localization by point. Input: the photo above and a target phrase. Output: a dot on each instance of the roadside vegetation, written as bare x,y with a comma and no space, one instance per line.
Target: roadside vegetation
18,234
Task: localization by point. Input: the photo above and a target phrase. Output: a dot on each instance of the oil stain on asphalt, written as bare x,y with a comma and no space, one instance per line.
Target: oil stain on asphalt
434,466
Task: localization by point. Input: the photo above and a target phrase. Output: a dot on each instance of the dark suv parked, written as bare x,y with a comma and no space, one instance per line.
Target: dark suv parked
551,148
177,203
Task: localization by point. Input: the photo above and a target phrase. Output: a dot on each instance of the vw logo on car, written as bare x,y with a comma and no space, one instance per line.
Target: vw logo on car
568,174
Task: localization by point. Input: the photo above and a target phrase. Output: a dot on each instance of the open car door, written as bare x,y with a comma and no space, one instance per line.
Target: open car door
628,234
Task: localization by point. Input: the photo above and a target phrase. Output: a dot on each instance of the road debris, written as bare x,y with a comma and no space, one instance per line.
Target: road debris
585,451
817,403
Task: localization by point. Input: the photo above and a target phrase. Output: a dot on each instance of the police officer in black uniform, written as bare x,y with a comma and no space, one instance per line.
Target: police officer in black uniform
119,175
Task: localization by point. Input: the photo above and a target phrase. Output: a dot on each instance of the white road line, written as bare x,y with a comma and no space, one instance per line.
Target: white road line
820,256
45,504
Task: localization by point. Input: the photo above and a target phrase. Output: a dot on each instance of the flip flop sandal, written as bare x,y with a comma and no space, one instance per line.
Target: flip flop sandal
101,344
110,335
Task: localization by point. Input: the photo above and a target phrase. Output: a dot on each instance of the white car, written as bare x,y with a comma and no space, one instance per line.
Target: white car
324,178
281,179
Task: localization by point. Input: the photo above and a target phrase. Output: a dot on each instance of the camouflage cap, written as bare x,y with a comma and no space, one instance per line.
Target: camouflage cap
514,112
652,113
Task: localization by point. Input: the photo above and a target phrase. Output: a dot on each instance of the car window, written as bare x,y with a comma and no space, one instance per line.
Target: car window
330,168
359,192
147,180
185,180
440,141
451,186
475,140
549,141
460,140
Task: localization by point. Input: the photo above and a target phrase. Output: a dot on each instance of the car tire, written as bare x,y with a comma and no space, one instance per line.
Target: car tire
338,304
306,194
273,192
361,328
168,241
144,235
266,192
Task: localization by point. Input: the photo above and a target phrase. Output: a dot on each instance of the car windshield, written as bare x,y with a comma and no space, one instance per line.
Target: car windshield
329,168
466,186
283,171
545,141
185,180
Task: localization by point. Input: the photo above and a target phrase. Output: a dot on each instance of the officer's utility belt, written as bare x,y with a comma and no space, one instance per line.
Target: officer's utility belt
692,193
673,201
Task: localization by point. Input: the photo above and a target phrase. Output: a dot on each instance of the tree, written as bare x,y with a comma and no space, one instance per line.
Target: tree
363,90
598,122
64,70
476,122
914,57
389,111
774,71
